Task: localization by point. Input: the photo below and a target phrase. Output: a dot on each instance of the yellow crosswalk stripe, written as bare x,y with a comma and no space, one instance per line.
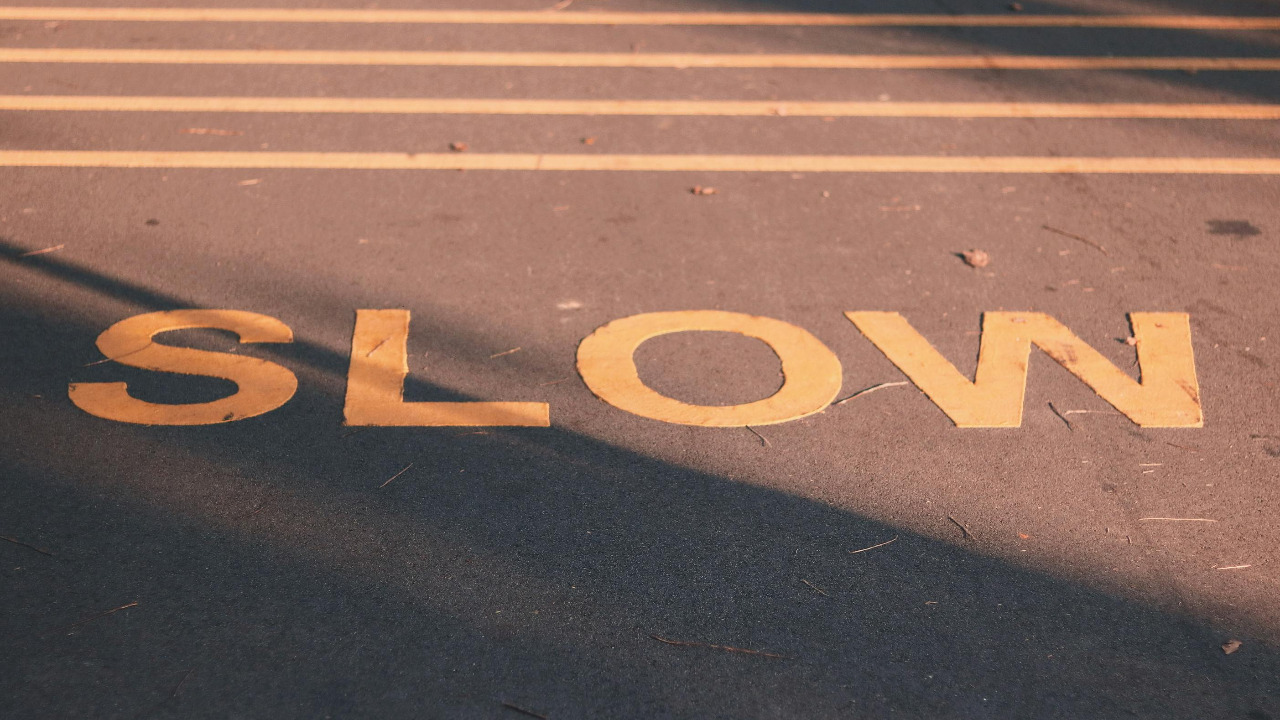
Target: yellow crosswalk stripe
752,108
642,163
622,60
501,17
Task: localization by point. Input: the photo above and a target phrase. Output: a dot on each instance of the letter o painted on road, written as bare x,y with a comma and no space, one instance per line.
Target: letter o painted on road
811,372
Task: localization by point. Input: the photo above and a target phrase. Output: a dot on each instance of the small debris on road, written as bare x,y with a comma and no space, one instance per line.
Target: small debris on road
589,140
1061,417
870,390
1238,228
1173,519
763,440
393,477
153,222
517,708
967,535
815,587
505,352
16,541
210,131
1073,236
726,648
1231,646
975,258
1015,7
251,181
700,190
873,547
181,682
42,251
459,146
77,624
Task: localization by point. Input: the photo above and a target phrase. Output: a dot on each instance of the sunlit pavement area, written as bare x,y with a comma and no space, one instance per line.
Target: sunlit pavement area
510,177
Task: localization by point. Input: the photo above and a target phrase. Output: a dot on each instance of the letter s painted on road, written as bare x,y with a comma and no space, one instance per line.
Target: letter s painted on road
262,386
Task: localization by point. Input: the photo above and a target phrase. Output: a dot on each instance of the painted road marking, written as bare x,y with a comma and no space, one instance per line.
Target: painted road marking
1168,396
261,386
499,17
646,163
811,372
375,384
626,60
488,106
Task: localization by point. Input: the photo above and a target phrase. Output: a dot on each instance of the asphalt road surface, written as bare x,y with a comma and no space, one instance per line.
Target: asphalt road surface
504,178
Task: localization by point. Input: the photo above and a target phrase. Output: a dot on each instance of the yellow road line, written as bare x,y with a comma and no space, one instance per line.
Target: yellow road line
620,60
500,17
648,163
753,108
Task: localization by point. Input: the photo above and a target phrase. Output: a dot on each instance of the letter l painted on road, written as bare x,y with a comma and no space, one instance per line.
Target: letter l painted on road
375,384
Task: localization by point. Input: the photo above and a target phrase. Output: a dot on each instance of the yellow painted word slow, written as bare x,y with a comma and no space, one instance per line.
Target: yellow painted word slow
1167,395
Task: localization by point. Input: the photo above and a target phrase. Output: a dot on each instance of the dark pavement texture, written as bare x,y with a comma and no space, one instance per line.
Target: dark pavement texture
273,577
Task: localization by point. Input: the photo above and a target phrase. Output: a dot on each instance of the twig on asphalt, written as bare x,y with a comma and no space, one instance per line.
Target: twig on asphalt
118,357
873,547
505,352
393,477
16,541
95,617
1061,417
1073,236
870,390
42,251
726,648
968,535
526,711
763,439
178,687
815,587
1177,519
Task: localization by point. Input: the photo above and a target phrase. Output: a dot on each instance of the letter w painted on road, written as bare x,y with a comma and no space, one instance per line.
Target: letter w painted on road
1167,396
